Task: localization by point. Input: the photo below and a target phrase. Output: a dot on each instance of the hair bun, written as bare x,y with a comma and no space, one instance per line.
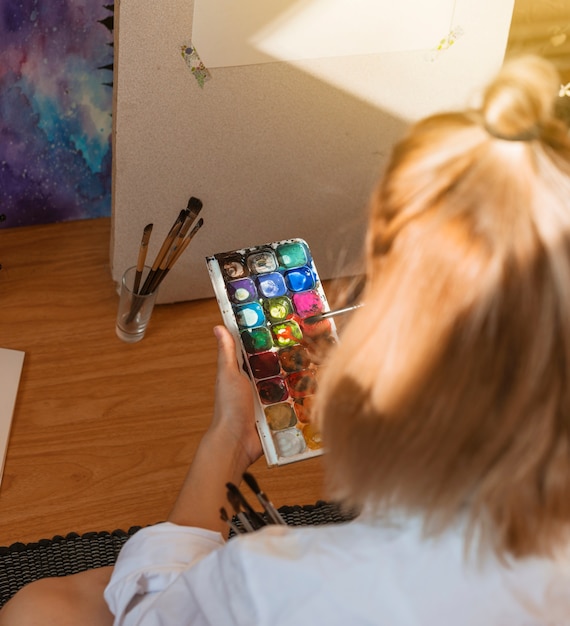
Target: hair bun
521,97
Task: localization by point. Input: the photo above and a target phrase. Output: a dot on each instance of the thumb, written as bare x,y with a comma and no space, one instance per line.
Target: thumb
226,348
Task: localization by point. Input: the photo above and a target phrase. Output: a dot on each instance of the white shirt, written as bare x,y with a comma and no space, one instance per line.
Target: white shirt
354,574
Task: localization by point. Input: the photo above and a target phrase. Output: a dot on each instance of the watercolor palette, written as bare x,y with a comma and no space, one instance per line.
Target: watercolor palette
265,294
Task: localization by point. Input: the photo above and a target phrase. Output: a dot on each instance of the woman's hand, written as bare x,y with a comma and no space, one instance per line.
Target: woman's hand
234,417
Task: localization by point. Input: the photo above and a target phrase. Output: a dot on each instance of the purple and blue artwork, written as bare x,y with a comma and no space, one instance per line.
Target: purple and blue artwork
56,98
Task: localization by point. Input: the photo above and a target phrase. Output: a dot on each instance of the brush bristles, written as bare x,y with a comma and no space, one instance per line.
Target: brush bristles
251,483
234,500
194,204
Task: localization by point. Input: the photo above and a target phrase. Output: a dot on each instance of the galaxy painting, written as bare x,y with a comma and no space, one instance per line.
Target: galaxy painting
56,98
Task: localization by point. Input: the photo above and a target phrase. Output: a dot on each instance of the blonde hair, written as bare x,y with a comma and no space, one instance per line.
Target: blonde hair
449,394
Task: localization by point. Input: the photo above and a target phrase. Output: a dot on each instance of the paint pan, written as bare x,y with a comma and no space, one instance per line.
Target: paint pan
265,293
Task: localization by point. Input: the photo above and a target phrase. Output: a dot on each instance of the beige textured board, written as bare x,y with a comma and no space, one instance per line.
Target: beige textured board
275,150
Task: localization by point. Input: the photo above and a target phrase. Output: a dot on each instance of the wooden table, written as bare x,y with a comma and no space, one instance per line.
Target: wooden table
103,431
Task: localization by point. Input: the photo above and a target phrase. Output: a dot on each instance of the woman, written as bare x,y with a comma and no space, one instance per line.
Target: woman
445,411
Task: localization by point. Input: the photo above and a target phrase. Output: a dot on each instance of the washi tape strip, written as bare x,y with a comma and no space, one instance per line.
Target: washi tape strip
193,61
445,43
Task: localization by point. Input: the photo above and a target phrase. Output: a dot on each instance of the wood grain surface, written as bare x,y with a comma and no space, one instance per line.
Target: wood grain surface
103,431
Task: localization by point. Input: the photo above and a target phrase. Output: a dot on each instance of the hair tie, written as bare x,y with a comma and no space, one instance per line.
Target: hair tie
527,135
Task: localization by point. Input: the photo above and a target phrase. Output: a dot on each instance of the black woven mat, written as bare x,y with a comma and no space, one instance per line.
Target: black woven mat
22,563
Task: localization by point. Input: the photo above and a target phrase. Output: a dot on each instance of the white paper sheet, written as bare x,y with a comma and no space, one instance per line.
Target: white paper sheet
11,363
228,33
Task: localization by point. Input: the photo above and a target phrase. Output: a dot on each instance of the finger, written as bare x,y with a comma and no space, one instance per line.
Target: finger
226,348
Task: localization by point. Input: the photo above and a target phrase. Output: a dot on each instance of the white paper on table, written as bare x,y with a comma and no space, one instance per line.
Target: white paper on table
11,363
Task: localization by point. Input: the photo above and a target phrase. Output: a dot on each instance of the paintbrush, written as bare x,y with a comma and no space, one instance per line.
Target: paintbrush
173,251
169,252
142,257
175,254
234,500
256,520
189,215
192,210
319,317
265,502
174,230
194,207
226,518
180,249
